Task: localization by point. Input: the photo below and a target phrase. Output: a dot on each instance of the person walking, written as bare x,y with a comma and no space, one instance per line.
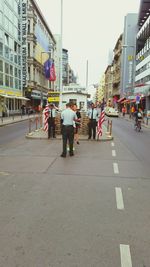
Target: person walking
51,121
77,123
92,114
68,117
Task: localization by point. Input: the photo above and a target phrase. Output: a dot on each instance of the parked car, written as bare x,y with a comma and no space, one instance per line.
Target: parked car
111,112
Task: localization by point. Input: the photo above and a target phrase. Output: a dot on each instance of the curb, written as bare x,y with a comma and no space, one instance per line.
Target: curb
32,136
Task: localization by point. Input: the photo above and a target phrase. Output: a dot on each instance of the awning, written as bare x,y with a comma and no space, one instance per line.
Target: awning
121,99
14,97
7,96
22,98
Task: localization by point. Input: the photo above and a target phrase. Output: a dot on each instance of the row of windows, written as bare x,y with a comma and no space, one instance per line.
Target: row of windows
13,4
144,80
10,69
10,55
143,68
9,81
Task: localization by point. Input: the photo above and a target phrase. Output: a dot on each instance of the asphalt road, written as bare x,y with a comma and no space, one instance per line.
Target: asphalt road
90,210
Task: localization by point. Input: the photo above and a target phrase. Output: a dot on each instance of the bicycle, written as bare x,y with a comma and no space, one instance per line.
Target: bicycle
137,126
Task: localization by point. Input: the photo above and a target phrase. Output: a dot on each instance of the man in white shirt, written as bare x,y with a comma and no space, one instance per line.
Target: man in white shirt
68,116
92,114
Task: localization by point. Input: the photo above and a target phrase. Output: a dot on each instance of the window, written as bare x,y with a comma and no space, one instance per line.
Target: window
11,82
11,70
28,49
6,52
1,65
16,72
1,49
1,79
28,26
6,39
6,80
7,68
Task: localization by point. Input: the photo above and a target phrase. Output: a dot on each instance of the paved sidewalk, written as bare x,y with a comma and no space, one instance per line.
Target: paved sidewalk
41,134
14,119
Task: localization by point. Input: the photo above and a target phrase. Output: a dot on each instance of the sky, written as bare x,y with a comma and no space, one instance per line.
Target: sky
91,29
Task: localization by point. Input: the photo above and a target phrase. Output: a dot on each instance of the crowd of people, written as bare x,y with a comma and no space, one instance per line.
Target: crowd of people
71,123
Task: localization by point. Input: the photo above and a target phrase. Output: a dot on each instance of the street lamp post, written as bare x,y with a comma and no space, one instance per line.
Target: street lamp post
60,67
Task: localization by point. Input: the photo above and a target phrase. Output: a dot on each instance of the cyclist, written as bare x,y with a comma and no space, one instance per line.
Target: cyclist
138,117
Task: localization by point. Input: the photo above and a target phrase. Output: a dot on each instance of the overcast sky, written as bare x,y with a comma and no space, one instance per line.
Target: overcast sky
90,29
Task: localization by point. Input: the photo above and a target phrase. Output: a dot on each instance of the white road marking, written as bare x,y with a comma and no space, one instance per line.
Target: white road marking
119,198
125,256
116,169
112,144
114,153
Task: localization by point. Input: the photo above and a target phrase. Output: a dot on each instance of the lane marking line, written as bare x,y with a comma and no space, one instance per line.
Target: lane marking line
114,153
125,256
112,144
119,198
116,169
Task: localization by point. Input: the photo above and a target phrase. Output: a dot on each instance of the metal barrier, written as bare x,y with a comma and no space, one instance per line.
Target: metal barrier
36,122
109,127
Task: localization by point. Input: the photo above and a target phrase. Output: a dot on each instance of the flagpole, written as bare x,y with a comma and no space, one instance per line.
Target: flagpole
61,38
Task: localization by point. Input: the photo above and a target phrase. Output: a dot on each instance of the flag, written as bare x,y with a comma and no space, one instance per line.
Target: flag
47,66
100,122
46,115
52,72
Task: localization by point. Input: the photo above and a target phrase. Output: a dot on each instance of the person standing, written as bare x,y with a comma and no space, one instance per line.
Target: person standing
51,121
92,114
68,117
77,123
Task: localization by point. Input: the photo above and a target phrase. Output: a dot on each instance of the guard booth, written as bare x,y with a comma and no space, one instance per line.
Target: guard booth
53,97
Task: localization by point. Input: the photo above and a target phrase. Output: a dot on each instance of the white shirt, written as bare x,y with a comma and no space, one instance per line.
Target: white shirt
68,116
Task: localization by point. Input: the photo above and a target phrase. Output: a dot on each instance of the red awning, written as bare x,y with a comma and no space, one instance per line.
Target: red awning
133,101
121,99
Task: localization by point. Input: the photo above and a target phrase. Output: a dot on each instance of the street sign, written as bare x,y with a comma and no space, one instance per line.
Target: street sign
137,99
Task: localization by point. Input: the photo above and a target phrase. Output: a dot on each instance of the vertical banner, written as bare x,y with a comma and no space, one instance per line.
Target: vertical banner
24,40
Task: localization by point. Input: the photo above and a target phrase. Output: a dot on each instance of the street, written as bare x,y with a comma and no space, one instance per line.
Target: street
90,210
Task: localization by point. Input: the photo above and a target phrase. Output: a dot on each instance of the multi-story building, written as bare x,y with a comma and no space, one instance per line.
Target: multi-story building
117,69
36,49
11,93
128,56
142,79
109,84
65,65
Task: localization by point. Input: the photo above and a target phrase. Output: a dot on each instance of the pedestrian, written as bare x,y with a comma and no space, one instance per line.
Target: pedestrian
92,114
68,117
77,123
123,111
51,121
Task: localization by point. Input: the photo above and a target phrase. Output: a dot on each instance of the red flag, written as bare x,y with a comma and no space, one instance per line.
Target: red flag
52,73
100,122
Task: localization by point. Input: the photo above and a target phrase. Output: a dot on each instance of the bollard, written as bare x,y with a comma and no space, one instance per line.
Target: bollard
110,130
30,125
36,122
108,126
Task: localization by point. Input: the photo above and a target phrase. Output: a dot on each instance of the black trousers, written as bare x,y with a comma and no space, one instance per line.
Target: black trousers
92,128
68,135
51,127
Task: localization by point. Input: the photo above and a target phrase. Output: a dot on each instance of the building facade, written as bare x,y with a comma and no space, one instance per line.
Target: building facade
128,56
142,78
39,46
11,94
